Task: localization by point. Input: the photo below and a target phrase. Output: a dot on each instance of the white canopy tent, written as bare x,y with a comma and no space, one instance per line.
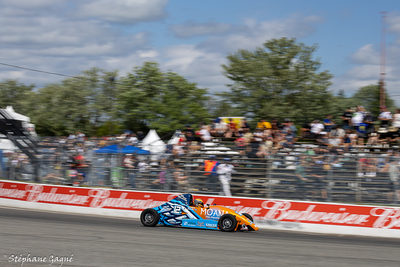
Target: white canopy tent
175,138
153,143
5,144
17,116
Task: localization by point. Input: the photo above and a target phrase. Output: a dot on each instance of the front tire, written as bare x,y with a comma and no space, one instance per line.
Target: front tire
248,216
149,217
227,223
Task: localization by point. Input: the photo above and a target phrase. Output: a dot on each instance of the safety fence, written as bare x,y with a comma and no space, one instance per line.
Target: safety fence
345,177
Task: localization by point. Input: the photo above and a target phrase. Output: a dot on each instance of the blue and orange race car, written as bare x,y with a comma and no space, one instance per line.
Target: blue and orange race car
185,212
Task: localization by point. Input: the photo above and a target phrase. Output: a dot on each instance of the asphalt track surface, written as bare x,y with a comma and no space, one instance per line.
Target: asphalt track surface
102,241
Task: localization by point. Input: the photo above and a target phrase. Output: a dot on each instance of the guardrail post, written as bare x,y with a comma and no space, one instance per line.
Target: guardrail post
268,166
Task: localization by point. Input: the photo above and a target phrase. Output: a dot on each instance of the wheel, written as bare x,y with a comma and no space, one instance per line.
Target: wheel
227,223
149,217
248,216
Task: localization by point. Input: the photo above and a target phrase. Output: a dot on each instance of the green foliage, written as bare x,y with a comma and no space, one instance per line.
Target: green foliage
76,104
369,97
17,95
278,80
163,101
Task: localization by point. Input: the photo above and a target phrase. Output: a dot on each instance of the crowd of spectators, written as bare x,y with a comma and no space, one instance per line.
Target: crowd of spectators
354,128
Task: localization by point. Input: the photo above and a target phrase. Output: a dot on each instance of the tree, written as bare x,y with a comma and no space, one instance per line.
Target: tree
83,104
17,95
369,97
279,80
164,101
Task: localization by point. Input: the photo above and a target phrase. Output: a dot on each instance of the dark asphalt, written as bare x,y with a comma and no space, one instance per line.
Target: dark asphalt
100,241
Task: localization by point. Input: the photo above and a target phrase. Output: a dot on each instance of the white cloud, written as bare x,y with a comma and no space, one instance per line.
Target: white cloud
190,29
124,11
367,66
366,55
253,33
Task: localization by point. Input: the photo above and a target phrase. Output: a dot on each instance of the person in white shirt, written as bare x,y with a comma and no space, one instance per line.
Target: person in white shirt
358,116
316,128
385,117
224,171
205,134
396,119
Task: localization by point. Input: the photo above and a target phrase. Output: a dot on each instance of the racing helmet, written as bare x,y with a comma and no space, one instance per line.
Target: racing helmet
198,203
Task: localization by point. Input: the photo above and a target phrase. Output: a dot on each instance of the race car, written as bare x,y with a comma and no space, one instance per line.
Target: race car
183,211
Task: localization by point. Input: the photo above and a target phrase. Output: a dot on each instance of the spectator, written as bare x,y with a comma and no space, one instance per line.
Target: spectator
263,125
383,135
293,128
396,119
188,129
301,179
248,135
394,135
362,133
357,117
244,125
323,140
205,134
142,170
160,181
258,134
317,173
328,123
177,150
133,140
305,130
140,135
369,121
210,167
181,179
130,164
373,139
241,145
275,126
385,117
225,170
220,127
367,167
252,148
290,138
346,118
353,138
232,129
394,173
316,129
191,143
336,136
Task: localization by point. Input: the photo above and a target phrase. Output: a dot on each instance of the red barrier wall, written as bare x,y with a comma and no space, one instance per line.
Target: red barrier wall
263,210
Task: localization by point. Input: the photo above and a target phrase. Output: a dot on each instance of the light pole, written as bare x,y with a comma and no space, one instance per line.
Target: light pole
383,56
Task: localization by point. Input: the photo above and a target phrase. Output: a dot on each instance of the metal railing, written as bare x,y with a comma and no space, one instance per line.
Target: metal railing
346,178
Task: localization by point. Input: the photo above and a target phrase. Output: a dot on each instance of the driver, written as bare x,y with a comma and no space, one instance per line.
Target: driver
198,203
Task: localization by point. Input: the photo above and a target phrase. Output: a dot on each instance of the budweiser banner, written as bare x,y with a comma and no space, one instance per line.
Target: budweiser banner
263,210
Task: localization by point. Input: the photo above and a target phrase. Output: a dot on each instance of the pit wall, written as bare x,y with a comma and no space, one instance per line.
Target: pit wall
326,218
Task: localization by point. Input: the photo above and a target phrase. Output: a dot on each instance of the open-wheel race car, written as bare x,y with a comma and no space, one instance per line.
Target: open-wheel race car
185,212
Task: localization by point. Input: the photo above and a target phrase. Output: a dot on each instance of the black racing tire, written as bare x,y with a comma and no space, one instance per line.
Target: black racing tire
248,216
227,223
149,217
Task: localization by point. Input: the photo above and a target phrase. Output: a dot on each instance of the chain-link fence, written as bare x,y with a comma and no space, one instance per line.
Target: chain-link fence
343,177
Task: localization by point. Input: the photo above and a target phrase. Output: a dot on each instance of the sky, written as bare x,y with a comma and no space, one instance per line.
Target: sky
193,38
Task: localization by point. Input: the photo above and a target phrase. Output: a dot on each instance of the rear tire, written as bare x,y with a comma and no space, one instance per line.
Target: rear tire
149,217
227,223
